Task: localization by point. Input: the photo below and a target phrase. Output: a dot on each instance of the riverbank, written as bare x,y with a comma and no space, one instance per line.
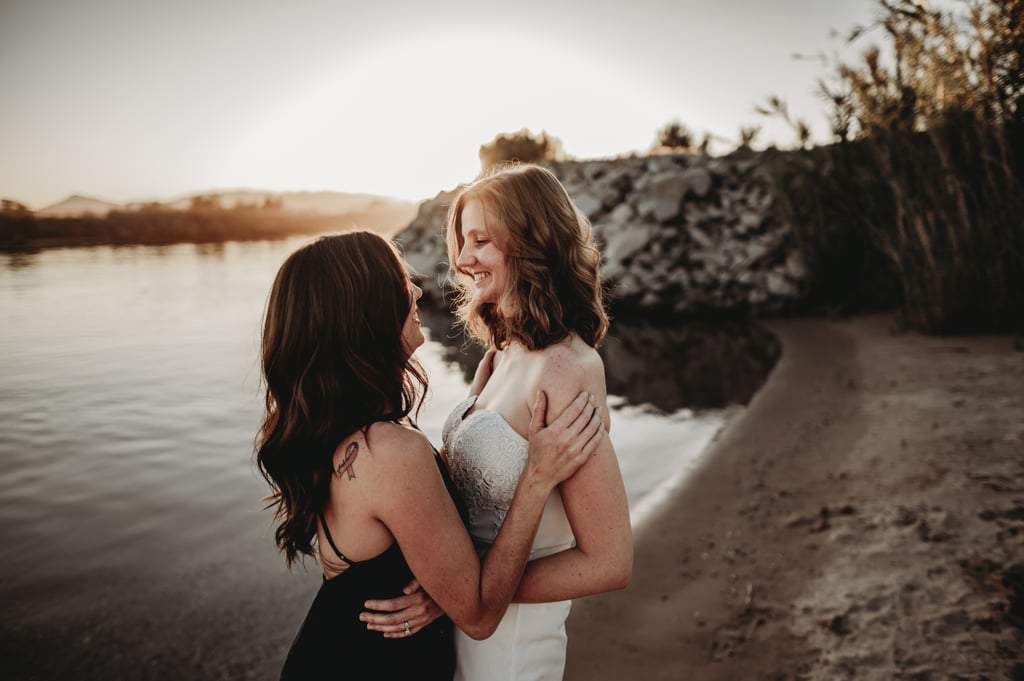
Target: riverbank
161,225
864,519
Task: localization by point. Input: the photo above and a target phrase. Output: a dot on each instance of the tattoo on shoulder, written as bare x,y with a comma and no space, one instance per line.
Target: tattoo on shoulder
345,467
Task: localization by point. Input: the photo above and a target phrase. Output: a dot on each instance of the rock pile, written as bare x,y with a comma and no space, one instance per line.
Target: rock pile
680,233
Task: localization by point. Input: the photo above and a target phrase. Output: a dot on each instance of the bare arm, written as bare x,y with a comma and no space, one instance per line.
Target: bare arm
595,504
415,506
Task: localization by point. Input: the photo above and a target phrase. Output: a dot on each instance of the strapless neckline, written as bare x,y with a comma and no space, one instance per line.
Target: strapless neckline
468,403
486,456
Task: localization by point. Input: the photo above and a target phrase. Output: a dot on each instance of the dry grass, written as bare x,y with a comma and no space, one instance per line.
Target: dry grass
926,170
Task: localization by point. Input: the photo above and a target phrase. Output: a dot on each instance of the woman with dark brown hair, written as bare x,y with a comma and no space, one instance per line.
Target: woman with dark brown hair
355,484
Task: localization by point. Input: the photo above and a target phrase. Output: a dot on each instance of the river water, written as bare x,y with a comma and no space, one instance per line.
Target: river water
133,541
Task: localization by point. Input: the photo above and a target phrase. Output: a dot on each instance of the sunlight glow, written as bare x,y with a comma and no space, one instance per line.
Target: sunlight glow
411,114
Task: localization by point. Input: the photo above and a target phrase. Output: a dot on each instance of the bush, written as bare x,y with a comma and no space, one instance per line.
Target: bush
522,146
675,137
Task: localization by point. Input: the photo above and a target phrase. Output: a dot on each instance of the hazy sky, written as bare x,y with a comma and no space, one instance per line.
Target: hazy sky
137,100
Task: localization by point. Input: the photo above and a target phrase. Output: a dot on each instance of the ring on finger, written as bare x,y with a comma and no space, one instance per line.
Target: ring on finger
407,631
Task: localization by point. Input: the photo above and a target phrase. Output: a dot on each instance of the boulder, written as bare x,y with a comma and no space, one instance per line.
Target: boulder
698,179
663,200
778,285
680,232
590,205
624,243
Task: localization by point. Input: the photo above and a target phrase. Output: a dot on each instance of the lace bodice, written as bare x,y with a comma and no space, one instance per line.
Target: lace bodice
486,456
487,482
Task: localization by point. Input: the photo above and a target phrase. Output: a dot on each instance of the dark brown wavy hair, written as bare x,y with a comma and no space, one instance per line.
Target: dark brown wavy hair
334,362
553,287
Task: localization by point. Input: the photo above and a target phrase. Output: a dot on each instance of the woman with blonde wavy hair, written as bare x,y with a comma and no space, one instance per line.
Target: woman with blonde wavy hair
530,290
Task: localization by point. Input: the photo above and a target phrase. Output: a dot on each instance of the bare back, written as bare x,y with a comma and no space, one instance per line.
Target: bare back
353,526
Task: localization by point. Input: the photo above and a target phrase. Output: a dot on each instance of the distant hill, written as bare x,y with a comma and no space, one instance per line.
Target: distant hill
320,203
381,213
204,217
77,204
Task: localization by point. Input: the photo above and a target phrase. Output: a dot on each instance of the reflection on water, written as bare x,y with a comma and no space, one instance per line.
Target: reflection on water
693,364
683,365
134,545
19,260
211,249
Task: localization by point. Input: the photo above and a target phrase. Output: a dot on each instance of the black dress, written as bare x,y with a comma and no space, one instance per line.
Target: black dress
334,644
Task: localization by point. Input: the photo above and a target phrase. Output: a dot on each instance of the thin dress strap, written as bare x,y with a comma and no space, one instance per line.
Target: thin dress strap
330,540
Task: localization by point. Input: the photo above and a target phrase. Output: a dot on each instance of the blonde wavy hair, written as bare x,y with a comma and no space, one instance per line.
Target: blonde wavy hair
553,287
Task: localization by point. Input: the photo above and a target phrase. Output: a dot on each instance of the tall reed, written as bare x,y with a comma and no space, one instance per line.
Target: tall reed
927,167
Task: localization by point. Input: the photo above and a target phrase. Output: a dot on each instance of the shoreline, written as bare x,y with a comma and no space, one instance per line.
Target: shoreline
863,518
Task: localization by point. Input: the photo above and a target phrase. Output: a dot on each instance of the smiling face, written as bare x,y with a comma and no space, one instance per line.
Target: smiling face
479,256
412,332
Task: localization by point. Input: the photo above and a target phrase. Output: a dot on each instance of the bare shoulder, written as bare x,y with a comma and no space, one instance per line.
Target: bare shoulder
569,360
382,448
566,368
387,440
375,470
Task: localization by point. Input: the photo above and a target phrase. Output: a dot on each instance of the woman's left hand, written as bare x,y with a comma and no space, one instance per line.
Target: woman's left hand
403,616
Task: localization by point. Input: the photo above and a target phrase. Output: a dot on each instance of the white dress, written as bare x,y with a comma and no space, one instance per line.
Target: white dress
486,456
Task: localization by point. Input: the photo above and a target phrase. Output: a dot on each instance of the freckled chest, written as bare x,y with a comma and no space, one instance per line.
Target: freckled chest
512,389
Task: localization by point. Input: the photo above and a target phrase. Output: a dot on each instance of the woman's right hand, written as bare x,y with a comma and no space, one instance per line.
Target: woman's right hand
557,450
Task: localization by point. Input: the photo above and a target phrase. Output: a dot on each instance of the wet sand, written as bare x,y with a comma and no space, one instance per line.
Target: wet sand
862,519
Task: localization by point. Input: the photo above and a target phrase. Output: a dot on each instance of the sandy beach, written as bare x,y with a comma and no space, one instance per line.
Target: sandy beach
862,519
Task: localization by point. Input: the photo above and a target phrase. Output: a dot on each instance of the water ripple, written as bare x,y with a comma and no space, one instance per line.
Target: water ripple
134,544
